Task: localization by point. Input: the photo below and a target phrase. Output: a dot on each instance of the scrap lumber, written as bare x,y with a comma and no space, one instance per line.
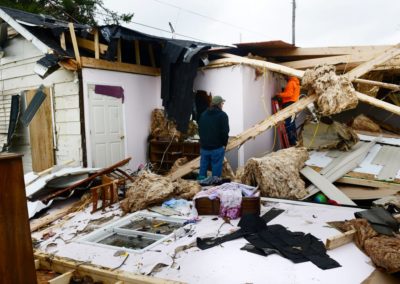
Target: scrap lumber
74,43
352,75
389,86
340,240
63,265
99,173
331,191
339,167
281,115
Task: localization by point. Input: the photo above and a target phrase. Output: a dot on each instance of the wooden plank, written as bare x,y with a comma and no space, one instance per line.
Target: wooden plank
340,240
96,44
74,43
41,133
119,66
368,182
151,54
324,51
331,191
63,278
378,84
62,41
364,193
61,265
119,51
91,177
137,52
37,224
378,103
91,45
370,65
331,60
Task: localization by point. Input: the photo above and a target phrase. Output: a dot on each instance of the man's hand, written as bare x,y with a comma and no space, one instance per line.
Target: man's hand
278,98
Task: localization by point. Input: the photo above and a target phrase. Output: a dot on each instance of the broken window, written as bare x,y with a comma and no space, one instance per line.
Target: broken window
136,232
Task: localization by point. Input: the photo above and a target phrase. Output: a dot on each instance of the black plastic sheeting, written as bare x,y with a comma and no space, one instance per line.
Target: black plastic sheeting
179,62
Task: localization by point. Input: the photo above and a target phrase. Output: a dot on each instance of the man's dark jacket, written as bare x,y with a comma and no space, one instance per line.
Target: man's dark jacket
213,128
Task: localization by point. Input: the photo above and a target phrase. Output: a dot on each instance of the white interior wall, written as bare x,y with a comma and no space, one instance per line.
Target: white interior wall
248,101
142,95
257,94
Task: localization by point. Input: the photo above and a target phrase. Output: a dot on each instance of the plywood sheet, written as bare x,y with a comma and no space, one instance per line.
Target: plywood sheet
41,133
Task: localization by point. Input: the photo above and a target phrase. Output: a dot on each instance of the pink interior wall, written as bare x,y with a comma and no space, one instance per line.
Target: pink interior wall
142,95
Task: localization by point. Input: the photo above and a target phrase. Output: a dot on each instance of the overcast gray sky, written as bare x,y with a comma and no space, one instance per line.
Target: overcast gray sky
318,22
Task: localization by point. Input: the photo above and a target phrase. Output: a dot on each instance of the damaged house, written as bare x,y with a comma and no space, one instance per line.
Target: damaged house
90,98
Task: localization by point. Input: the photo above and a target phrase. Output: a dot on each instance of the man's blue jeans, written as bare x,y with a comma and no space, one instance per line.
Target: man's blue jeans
215,158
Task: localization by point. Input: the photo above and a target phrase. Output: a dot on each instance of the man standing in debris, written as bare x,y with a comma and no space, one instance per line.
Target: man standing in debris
289,96
213,131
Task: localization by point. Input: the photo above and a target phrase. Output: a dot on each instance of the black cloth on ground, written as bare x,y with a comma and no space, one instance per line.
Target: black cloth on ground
296,246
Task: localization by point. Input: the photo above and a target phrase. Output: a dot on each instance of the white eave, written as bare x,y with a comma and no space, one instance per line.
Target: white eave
25,33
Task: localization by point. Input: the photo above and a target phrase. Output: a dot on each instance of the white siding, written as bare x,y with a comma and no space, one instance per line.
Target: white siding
16,76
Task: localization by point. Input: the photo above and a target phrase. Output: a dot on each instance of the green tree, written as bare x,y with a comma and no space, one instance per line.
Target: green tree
78,11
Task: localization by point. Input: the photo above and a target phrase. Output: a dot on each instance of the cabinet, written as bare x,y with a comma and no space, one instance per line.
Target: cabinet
16,257
163,154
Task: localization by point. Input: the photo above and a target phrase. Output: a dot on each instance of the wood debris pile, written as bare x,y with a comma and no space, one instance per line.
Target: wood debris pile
277,174
383,250
335,93
149,189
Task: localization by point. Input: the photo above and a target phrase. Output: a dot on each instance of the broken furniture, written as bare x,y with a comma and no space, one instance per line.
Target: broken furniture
16,258
108,193
163,154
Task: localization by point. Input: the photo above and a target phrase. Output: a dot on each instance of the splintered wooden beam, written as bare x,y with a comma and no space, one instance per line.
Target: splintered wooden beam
74,43
282,114
340,240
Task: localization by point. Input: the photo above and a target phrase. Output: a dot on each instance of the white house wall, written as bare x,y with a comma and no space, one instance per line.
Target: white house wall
257,94
142,95
16,76
245,98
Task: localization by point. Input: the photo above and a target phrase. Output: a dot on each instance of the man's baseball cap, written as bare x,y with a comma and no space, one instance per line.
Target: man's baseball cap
217,100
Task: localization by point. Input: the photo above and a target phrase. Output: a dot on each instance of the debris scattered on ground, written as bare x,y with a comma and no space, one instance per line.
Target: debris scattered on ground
277,174
150,189
335,93
383,250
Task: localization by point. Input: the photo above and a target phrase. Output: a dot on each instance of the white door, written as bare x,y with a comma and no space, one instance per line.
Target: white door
106,129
